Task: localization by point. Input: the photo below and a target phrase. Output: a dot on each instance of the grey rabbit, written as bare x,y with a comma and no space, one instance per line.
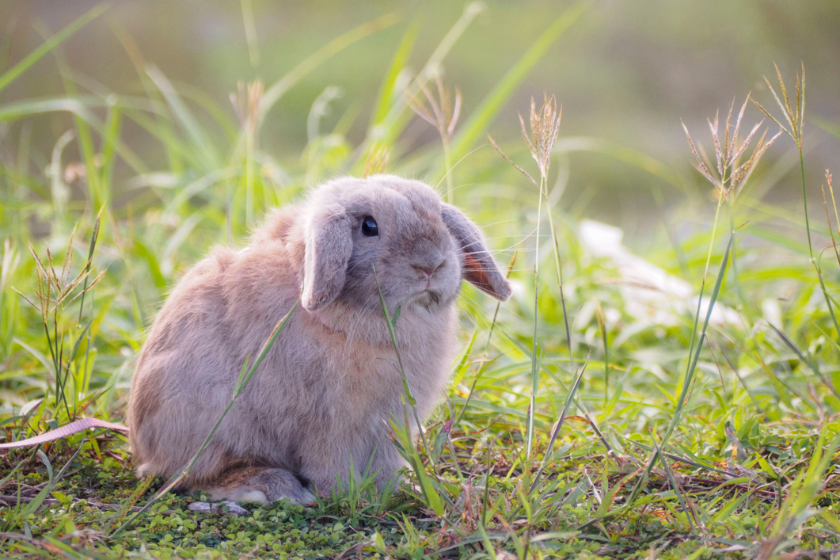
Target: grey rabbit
328,386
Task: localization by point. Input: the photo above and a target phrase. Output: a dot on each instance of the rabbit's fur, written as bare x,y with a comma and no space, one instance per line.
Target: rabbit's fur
328,386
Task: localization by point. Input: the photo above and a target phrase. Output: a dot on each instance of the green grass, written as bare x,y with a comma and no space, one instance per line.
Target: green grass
574,426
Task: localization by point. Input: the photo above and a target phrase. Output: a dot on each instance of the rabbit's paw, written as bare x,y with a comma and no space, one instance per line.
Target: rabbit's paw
261,485
218,507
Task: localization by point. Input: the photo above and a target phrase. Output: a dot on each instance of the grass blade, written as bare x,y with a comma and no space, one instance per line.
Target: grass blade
557,425
689,375
15,71
279,88
398,63
811,365
206,152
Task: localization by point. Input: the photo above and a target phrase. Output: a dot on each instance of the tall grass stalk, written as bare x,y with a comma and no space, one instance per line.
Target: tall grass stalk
730,177
443,115
535,368
559,271
56,292
545,124
794,115
544,127
688,378
729,180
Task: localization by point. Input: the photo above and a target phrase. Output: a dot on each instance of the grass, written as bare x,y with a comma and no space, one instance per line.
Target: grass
588,417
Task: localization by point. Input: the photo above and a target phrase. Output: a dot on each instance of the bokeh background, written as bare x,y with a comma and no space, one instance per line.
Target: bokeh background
625,73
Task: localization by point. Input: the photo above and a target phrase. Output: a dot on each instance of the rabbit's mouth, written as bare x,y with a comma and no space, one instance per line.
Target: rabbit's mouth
428,298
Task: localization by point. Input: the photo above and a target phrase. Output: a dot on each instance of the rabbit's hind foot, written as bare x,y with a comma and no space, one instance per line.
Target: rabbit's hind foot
261,485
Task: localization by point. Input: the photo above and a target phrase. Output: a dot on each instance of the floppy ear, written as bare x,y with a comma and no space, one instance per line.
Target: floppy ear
479,267
329,244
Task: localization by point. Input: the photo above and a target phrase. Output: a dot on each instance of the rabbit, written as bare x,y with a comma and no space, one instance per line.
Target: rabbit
322,398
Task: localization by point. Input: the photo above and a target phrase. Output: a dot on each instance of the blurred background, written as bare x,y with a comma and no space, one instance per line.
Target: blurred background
625,74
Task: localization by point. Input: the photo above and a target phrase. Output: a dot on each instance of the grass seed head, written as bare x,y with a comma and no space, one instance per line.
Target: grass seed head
545,124
795,118
246,102
732,173
441,113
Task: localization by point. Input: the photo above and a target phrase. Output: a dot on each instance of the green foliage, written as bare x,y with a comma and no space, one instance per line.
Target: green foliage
580,425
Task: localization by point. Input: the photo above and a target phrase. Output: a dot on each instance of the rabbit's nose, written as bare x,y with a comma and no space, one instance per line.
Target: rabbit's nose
428,269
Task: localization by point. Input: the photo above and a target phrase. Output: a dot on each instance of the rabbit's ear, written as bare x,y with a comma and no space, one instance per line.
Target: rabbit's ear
329,244
479,267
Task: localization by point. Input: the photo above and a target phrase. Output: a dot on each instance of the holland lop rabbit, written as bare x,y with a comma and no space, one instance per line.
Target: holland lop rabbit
327,387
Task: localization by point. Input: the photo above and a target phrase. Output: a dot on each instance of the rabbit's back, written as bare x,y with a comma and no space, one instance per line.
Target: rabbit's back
220,312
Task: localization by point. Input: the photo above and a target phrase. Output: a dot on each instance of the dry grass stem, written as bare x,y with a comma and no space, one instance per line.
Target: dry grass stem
507,159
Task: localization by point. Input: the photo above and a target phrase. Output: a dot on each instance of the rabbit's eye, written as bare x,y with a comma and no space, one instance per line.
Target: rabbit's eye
369,227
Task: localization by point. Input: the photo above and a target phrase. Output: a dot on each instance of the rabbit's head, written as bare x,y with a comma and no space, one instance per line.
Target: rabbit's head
394,231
